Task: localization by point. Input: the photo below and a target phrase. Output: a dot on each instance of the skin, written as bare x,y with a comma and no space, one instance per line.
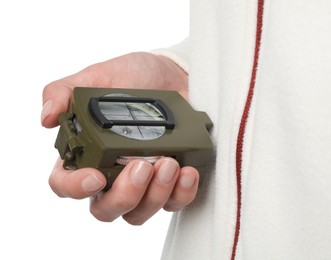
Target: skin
141,189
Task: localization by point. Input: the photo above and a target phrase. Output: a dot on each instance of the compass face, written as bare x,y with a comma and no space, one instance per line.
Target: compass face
133,111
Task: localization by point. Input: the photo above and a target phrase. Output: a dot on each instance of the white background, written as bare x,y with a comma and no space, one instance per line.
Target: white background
42,41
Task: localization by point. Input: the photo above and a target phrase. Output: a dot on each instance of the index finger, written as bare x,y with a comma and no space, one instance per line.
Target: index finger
77,184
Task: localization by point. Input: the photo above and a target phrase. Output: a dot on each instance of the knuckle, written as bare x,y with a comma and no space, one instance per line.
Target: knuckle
173,207
53,183
100,212
134,219
125,202
156,201
101,215
176,204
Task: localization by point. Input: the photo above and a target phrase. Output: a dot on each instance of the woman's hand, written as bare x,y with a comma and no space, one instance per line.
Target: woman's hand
142,188
135,70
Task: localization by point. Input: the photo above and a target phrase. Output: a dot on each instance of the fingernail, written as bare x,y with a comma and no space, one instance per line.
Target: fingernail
187,181
167,172
91,183
47,109
141,173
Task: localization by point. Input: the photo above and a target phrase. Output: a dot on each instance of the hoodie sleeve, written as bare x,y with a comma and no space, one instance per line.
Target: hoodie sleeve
178,53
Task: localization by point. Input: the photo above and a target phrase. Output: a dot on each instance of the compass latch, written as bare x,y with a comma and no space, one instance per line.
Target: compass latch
67,141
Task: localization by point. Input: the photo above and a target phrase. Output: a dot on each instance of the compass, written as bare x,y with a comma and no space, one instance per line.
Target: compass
107,128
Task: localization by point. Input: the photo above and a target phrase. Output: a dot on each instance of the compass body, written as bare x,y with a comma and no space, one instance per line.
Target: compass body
107,128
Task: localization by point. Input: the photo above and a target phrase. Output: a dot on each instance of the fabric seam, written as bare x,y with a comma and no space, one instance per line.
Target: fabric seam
243,123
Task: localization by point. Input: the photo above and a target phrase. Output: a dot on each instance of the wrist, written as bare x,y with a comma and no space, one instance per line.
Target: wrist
176,76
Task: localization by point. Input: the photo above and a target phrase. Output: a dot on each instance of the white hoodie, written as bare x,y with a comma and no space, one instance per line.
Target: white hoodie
262,71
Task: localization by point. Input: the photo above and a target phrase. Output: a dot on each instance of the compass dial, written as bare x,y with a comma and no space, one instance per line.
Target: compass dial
133,111
124,160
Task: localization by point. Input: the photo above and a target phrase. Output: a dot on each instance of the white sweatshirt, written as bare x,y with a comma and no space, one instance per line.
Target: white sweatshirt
267,194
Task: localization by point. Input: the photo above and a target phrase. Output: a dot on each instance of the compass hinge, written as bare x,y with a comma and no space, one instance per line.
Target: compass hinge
67,141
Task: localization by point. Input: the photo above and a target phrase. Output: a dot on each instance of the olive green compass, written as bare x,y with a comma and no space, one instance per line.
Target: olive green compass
107,128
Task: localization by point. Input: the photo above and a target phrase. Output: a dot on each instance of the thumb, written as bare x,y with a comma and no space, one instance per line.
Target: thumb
56,97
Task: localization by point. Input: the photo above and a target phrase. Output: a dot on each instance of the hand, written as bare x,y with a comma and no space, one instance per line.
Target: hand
141,189
134,70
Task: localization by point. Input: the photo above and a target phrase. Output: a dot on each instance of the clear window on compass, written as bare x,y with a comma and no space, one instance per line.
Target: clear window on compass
133,112
138,120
